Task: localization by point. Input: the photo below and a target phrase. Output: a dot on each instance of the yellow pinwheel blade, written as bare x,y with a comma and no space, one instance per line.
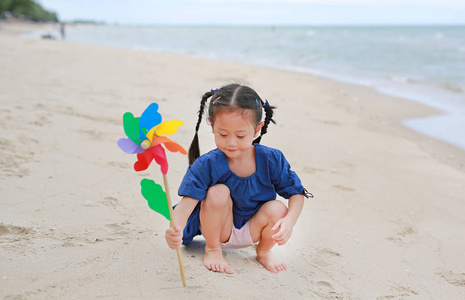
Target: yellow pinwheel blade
168,127
150,134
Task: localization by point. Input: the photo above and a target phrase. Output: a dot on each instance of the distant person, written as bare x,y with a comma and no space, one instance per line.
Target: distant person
229,193
62,30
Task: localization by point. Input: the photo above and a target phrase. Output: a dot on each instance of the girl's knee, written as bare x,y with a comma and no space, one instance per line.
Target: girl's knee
267,215
275,209
218,195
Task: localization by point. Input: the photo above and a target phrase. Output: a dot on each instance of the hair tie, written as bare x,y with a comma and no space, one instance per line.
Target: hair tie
213,90
214,99
266,104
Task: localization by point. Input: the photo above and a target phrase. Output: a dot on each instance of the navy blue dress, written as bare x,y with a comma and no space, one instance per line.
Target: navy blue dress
273,175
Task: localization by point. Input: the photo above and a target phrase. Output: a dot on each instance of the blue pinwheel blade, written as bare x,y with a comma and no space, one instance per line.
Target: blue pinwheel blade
149,119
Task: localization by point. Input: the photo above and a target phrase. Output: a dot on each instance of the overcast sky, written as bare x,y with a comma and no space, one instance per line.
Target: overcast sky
261,12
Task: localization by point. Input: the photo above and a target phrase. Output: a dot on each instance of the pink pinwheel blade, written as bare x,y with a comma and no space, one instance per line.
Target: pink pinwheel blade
160,157
128,146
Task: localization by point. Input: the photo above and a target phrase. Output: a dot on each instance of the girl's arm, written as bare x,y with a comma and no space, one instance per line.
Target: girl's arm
286,224
181,214
183,210
296,204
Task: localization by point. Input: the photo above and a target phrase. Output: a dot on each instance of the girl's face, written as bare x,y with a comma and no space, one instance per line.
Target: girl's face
234,132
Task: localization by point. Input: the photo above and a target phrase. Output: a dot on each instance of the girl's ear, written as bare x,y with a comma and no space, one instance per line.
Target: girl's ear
259,127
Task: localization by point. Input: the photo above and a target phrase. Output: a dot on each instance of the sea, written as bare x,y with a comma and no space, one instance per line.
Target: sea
420,63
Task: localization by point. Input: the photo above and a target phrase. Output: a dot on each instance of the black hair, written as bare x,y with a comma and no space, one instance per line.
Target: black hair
232,97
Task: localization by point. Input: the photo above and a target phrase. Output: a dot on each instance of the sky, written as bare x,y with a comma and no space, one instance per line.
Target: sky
261,12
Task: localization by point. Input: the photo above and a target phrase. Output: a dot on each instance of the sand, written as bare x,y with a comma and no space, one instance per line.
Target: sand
387,220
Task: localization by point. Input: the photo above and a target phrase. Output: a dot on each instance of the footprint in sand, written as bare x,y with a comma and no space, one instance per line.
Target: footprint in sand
110,201
403,235
11,233
116,231
454,278
12,230
399,291
324,257
11,159
325,290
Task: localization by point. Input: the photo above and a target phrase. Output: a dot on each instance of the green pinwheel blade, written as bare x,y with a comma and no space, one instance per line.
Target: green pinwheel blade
131,127
155,197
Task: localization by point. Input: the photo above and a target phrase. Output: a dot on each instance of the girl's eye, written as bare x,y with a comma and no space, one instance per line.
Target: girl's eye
241,136
223,135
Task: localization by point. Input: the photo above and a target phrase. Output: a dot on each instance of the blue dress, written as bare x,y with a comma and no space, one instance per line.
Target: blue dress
273,175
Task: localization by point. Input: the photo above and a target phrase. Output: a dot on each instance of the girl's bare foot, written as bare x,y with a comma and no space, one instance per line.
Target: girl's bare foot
270,262
215,262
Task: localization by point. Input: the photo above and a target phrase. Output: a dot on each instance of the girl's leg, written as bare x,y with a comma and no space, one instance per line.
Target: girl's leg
216,219
260,229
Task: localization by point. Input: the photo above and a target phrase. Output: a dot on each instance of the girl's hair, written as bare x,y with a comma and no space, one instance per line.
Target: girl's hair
231,97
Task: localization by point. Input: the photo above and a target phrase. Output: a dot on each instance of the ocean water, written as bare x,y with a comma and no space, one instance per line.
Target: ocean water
424,63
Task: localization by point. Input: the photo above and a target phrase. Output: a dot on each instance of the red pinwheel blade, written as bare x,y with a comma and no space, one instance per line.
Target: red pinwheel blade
143,160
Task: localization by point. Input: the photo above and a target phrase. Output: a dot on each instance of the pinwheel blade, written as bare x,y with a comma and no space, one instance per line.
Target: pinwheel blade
149,119
160,157
151,133
128,146
168,127
175,147
131,127
169,144
143,160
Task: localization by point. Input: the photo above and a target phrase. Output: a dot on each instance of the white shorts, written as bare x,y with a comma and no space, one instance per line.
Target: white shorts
240,238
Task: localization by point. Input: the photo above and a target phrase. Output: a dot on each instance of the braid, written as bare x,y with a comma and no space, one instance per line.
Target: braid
194,149
268,118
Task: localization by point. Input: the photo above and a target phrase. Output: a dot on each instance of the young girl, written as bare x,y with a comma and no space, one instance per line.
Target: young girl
228,194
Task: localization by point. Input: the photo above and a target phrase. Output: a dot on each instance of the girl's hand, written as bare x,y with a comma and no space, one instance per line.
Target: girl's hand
284,227
173,237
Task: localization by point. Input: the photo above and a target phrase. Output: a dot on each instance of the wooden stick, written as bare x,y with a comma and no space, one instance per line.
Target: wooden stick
173,225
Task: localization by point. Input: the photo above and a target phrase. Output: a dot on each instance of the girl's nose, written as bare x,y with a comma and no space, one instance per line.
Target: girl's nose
231,141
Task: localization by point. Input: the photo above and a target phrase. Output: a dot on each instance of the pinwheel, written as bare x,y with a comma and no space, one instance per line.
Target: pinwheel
145,138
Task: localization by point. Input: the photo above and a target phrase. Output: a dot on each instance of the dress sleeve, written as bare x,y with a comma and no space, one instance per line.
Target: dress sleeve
205,172
196,181
286,182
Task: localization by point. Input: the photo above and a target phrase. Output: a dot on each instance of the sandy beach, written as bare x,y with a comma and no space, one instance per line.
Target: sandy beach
387,220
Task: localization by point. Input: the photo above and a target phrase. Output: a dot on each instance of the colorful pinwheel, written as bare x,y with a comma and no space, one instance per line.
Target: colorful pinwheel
145,138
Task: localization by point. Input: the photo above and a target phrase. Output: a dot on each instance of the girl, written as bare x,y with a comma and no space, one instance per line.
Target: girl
228,194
